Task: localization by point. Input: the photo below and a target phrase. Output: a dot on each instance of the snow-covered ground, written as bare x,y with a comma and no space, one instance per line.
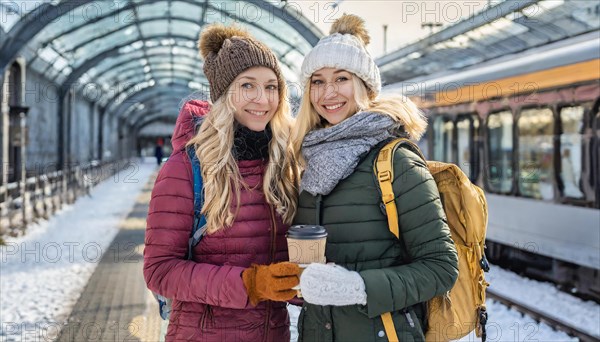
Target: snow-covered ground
547,298
43,273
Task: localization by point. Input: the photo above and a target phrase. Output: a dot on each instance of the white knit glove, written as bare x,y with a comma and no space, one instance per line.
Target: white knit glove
332,285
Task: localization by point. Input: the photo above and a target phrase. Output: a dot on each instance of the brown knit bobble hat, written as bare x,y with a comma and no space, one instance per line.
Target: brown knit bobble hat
229,51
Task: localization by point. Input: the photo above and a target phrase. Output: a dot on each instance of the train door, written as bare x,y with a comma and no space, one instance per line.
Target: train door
574,142
499,151
536,153
443,139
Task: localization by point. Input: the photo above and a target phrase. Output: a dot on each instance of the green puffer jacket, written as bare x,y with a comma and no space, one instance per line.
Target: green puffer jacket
399,274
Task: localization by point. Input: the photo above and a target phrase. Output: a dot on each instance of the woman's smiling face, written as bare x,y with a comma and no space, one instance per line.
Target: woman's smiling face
332,94
255,97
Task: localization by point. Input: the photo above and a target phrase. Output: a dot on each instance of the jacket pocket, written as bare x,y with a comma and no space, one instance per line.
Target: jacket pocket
407,326
411,325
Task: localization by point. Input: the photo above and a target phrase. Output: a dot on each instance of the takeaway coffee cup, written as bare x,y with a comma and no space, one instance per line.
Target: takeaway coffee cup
306,244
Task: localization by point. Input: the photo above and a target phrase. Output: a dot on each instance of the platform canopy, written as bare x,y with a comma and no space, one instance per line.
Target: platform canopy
138,58
507,28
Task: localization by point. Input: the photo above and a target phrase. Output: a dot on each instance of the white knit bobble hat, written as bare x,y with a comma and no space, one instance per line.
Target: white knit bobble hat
344,48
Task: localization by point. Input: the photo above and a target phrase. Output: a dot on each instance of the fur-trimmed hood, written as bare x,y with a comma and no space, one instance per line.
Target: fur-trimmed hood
190,116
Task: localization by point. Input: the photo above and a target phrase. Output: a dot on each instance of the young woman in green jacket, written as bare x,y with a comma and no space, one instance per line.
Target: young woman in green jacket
341,125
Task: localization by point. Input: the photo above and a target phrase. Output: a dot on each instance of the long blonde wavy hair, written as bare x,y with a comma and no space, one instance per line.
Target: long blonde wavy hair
221,175
398,107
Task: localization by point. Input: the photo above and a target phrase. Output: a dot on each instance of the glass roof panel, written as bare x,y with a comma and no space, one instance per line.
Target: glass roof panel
165,50
168,73
185,52
190,28
294,58
108,64
153,10
103,44
269,40
183,74
154,27
186,10
90,32
51,73
39,65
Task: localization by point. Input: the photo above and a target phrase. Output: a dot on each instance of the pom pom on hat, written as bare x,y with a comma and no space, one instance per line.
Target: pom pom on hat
213,37
351,24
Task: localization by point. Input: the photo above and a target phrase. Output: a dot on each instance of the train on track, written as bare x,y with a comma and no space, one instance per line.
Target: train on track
526,128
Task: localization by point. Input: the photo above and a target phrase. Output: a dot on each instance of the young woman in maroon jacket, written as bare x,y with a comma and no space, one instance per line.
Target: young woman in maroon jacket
236,285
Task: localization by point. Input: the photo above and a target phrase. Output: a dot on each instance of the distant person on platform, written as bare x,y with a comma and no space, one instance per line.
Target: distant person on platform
158,151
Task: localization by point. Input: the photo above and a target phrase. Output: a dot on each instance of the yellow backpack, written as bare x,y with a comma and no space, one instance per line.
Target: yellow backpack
462,309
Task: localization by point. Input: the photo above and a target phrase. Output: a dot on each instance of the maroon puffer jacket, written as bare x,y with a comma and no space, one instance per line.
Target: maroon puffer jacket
210,302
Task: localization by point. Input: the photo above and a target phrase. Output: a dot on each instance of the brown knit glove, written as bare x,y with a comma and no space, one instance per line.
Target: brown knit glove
272,282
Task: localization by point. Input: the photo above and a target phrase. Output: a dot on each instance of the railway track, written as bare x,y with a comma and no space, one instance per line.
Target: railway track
542,317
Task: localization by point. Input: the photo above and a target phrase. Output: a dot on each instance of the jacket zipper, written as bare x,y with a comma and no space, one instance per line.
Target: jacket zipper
318,204
273,250
274,237
409,319
207,312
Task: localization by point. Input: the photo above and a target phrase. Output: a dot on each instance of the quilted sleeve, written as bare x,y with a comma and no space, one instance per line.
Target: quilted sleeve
168,229
434,263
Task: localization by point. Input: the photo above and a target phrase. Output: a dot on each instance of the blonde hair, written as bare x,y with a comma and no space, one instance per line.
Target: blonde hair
398,107
221,175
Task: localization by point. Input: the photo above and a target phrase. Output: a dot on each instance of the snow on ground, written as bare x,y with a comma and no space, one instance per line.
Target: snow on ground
546,297
505,324
43,273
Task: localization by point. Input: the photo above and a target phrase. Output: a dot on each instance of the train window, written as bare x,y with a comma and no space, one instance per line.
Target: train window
466,137
443,130
572,120
536,153
500,148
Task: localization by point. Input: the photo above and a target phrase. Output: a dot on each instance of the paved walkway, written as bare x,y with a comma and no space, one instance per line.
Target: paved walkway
116,305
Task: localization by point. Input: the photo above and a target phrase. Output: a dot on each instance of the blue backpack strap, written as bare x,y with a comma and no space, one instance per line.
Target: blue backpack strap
199,220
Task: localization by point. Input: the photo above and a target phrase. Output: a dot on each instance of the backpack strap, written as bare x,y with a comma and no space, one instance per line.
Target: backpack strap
390,329
385,175
384,170
199,226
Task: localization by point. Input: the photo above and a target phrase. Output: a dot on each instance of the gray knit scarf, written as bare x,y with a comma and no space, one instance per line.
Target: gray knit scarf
333,153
